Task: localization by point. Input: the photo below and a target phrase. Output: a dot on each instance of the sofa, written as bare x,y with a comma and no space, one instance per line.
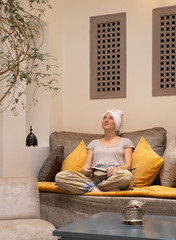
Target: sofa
61,208
20,211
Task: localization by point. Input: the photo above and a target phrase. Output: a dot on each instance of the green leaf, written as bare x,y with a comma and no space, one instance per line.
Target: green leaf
20,93
40,56
4,38
47,67
13,108
6,9
49,6
16,100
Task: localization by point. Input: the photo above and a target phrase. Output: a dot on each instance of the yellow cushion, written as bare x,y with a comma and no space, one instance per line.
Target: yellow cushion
147,163
76,159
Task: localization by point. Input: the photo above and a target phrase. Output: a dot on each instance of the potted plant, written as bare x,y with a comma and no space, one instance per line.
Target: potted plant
21,58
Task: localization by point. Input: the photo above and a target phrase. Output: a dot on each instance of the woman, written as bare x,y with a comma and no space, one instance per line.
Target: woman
111,153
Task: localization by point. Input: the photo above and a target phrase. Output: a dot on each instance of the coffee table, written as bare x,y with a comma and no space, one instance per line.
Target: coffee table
110,226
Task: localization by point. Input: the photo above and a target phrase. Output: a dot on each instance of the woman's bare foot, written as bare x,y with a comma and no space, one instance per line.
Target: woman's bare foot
95,190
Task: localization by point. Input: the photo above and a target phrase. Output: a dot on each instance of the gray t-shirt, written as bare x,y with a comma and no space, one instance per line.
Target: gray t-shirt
109,156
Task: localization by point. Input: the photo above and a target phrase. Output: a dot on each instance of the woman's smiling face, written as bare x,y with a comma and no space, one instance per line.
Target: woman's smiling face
108,122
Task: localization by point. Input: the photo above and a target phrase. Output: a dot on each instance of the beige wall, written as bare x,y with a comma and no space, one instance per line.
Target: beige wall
1,144
15,158
72,109
141,110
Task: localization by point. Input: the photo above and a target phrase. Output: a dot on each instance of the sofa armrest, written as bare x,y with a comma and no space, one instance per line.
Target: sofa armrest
19,198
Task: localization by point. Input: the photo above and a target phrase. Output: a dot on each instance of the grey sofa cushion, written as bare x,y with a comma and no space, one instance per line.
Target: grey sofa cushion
70,140
167,173
156,137
20,211
51,166
26,229
19,198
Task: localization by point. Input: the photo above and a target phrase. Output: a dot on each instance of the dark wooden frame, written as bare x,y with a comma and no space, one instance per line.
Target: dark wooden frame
114,84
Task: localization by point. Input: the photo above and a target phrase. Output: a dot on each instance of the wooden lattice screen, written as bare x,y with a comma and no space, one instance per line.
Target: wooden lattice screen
164,51
108,56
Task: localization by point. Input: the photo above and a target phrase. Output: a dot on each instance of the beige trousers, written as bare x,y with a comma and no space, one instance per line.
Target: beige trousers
76,182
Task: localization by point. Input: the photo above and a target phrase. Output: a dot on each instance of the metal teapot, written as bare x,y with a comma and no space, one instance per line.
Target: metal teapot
133,212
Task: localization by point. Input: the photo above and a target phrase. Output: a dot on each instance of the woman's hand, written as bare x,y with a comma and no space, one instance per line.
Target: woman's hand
86,171
87,168
112,170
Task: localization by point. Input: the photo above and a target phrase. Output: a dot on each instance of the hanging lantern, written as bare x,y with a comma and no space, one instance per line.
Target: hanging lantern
31,139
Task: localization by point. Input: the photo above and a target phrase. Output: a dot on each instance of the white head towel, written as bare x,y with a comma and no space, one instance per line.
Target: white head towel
118,118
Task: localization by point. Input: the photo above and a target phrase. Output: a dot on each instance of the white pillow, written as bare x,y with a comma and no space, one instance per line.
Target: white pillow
168,170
